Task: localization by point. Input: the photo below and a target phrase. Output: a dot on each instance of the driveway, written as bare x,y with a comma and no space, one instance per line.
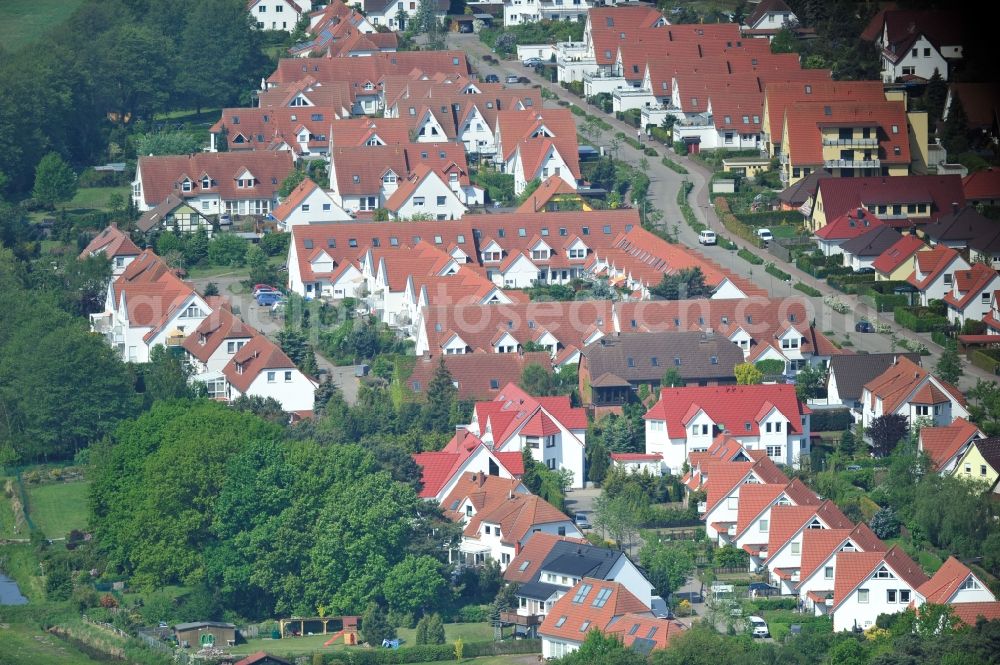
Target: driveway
664,185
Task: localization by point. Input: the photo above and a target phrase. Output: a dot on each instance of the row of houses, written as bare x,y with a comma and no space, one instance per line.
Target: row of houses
808,548
148,305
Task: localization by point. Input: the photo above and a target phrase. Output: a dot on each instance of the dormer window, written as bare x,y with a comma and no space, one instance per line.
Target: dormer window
389,178
186,186
246,182
206,182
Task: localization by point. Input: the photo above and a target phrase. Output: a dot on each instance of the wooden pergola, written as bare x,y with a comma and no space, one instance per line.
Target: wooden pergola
348,623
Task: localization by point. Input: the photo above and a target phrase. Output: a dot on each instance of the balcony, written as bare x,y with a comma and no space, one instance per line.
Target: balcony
851,143
520,619
852,163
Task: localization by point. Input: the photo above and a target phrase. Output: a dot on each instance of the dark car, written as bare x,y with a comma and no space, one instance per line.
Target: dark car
492,78
865,271
864,327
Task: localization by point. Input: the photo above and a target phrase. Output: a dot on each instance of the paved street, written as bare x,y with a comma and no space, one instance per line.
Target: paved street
664,185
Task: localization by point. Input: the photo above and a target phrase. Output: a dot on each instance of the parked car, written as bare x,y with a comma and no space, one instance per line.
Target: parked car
260,288
854,467
269,298
758,627
765,235
707,237
492,78
865,271
864,327
582,520
532,62
513,78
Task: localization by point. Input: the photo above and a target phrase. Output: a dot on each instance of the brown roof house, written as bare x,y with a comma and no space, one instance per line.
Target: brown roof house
613,368
198,634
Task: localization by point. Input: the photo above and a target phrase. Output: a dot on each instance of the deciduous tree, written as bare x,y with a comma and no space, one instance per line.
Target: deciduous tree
55,181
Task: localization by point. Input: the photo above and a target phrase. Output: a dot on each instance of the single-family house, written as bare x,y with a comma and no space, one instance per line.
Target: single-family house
848,374
301,132
503,522
212,345
535,144
896,263
595,604
614,367
425,194
308,204
946,444
396,14
782,553
237,183
760,417
982,187
464,468
564,562
552,430
278,14
909,390
971,293
261,369
115,245
953,584
768,17
934,272
868,584
818,568
861,251
753,504
177,215
981,462
519,12
914,44
960,227
148,305
848,226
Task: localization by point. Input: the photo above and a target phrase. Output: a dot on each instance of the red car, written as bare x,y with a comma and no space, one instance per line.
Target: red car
263,288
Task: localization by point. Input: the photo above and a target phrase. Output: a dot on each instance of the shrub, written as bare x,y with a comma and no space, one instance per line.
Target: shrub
808,290
650,152
919,319
885,524
746,255
673,166
576,110
772,269
830,420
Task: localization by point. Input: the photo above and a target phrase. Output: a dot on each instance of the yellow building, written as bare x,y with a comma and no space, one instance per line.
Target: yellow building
918,199
981,462
896,263
848,139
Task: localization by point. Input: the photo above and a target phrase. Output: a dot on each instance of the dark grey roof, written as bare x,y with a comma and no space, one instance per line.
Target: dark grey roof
853,371
963,225
653,354
990,450
804,189
579,560
872,243
203,624
537,590
643,646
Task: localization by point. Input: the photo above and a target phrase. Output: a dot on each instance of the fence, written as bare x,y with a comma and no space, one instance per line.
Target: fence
785,248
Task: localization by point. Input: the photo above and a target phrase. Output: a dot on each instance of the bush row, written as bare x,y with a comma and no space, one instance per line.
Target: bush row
941,338
673,166
734,225
772,269
428,653
747,255
808,290
686,209
830,420
887,302
925,322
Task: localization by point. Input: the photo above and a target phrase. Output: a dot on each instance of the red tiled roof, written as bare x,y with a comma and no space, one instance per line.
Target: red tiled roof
786,521
359,170
849,225
570,620
532,555
110,242
550,188
901,380
982,185
931,264
608,24
898,254
260,656
853,568
216,328
477,373
372,68
524,130
262,128
294,199
937,191
946,582
355,132
970,613
256,356
943,443
517,516
754,499
635,626
781,95
970,284
733,406
163,175
804,121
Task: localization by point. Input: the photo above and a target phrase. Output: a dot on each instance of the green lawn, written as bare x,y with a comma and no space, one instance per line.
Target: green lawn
58,508
295,646
25,21
21,644
20,563
95,198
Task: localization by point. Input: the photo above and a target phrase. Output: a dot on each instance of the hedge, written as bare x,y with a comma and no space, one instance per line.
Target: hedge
724,242
941,338
576,110
686,209
926,322
887,302
983,361
661,135
808,290
673,166
746,255
734,225
830,420
772,269
431,652
773,217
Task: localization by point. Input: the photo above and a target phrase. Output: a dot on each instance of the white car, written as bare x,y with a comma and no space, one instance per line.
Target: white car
765,235
758,627
707,237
